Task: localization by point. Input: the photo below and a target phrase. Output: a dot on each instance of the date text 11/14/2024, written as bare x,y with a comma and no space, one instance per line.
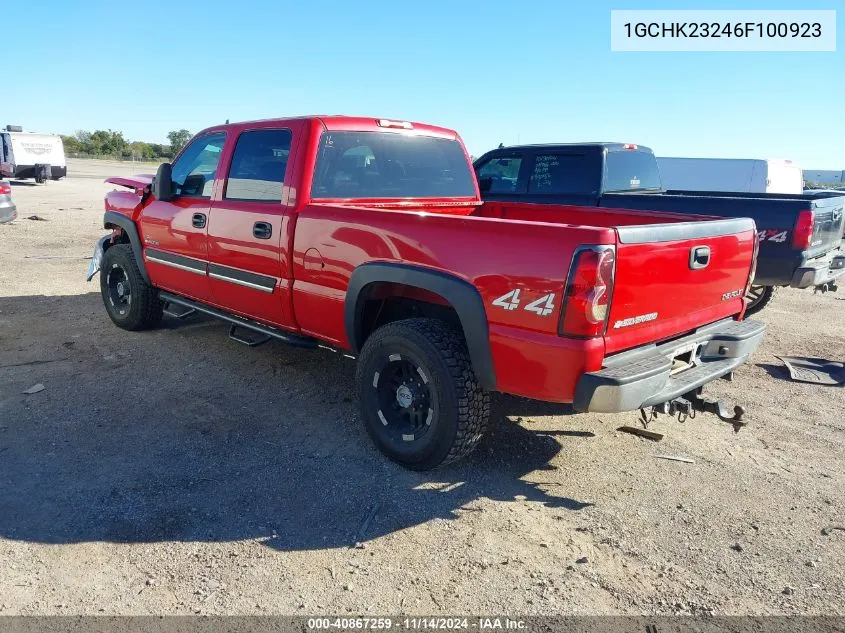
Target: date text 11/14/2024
417,623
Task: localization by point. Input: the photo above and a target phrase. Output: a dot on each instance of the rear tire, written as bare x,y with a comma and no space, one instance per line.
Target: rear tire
420,400
759,297
131,303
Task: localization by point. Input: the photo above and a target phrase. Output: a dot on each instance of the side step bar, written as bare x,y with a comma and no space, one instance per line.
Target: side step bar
245,340
178,315
240,322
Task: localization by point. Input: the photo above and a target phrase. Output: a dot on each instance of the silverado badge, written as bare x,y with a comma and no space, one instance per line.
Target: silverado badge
643,318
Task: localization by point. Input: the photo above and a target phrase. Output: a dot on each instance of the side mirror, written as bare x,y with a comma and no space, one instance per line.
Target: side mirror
485,184
162,186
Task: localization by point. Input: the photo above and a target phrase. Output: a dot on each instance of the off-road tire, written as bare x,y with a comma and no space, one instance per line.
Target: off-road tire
762,299
144,311
461,408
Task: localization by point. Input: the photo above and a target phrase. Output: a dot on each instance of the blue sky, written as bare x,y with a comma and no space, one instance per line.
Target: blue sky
497,71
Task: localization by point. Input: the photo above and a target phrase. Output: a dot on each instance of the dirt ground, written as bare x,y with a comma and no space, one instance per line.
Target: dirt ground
175,471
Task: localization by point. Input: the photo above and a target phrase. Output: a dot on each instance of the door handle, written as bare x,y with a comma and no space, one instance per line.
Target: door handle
262,230
198,220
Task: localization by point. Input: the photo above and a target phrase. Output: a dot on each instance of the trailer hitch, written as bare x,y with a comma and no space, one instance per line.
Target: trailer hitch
693,402
823,288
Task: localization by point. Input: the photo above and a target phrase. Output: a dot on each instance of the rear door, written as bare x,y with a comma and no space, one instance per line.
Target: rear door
174,231
250,227
673,278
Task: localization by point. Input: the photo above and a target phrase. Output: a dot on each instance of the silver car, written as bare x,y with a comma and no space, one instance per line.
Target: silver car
8,211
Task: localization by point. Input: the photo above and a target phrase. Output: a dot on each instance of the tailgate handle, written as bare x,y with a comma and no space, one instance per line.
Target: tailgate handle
699,257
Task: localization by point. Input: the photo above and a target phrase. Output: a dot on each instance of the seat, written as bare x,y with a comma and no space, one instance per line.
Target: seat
272,171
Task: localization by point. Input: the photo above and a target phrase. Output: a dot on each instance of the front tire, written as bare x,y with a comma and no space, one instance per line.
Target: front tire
759,297
131,303
420,400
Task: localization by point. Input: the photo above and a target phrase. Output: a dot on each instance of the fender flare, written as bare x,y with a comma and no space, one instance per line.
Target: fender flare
463,296
112,219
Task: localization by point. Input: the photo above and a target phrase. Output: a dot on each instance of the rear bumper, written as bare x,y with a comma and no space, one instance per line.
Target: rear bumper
643,376
819,272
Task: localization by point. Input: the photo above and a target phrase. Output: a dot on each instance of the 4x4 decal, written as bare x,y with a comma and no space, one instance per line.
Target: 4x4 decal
543,306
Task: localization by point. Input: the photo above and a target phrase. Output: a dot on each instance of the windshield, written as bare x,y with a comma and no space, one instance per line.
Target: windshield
631,170
390,165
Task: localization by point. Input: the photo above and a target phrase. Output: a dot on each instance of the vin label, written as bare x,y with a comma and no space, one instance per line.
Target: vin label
728,30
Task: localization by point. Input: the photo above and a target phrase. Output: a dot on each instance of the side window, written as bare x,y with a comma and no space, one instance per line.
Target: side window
502,173
196,167
258,166
562,173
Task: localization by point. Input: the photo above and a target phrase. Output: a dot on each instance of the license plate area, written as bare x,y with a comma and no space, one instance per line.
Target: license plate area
685,357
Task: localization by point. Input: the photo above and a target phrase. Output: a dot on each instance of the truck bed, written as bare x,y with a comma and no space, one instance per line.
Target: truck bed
669,303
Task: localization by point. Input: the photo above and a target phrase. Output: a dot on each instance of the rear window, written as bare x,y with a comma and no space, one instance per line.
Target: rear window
630,170
563,174
390,165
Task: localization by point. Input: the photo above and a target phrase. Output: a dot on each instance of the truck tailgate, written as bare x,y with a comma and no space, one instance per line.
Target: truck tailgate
673,278
828,219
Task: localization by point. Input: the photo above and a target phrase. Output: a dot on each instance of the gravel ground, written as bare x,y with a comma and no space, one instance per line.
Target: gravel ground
175,471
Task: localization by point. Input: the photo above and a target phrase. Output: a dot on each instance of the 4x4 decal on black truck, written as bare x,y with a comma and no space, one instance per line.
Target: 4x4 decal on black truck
773,235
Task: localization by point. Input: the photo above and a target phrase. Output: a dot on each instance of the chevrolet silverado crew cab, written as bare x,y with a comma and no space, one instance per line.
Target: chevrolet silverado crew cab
368,237
799,234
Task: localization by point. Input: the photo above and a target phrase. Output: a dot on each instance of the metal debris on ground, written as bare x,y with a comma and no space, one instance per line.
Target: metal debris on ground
35,389
676,459
36,217
829,529
55,257
814,370
633,430
365,524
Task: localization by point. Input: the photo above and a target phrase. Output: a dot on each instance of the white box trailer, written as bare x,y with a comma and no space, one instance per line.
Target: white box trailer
731,174
26,155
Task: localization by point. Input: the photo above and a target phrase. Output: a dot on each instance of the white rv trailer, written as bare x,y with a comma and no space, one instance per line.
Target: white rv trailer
24,154
731,174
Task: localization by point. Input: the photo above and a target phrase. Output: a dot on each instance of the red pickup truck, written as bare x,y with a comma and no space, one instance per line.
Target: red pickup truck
368,237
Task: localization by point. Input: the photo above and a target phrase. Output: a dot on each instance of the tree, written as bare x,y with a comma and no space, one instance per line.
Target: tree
178,139
71,144
112,143
107,142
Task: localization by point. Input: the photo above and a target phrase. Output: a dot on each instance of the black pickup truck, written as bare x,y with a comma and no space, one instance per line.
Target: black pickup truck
800,234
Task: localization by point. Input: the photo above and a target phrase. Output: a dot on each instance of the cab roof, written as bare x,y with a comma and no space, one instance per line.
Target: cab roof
592,145
340,122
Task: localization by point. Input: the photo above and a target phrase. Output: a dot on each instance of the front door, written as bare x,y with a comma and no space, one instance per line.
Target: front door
249,229
174,231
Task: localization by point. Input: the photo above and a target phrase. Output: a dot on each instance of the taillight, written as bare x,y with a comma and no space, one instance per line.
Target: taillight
802,235
587,297
5,190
